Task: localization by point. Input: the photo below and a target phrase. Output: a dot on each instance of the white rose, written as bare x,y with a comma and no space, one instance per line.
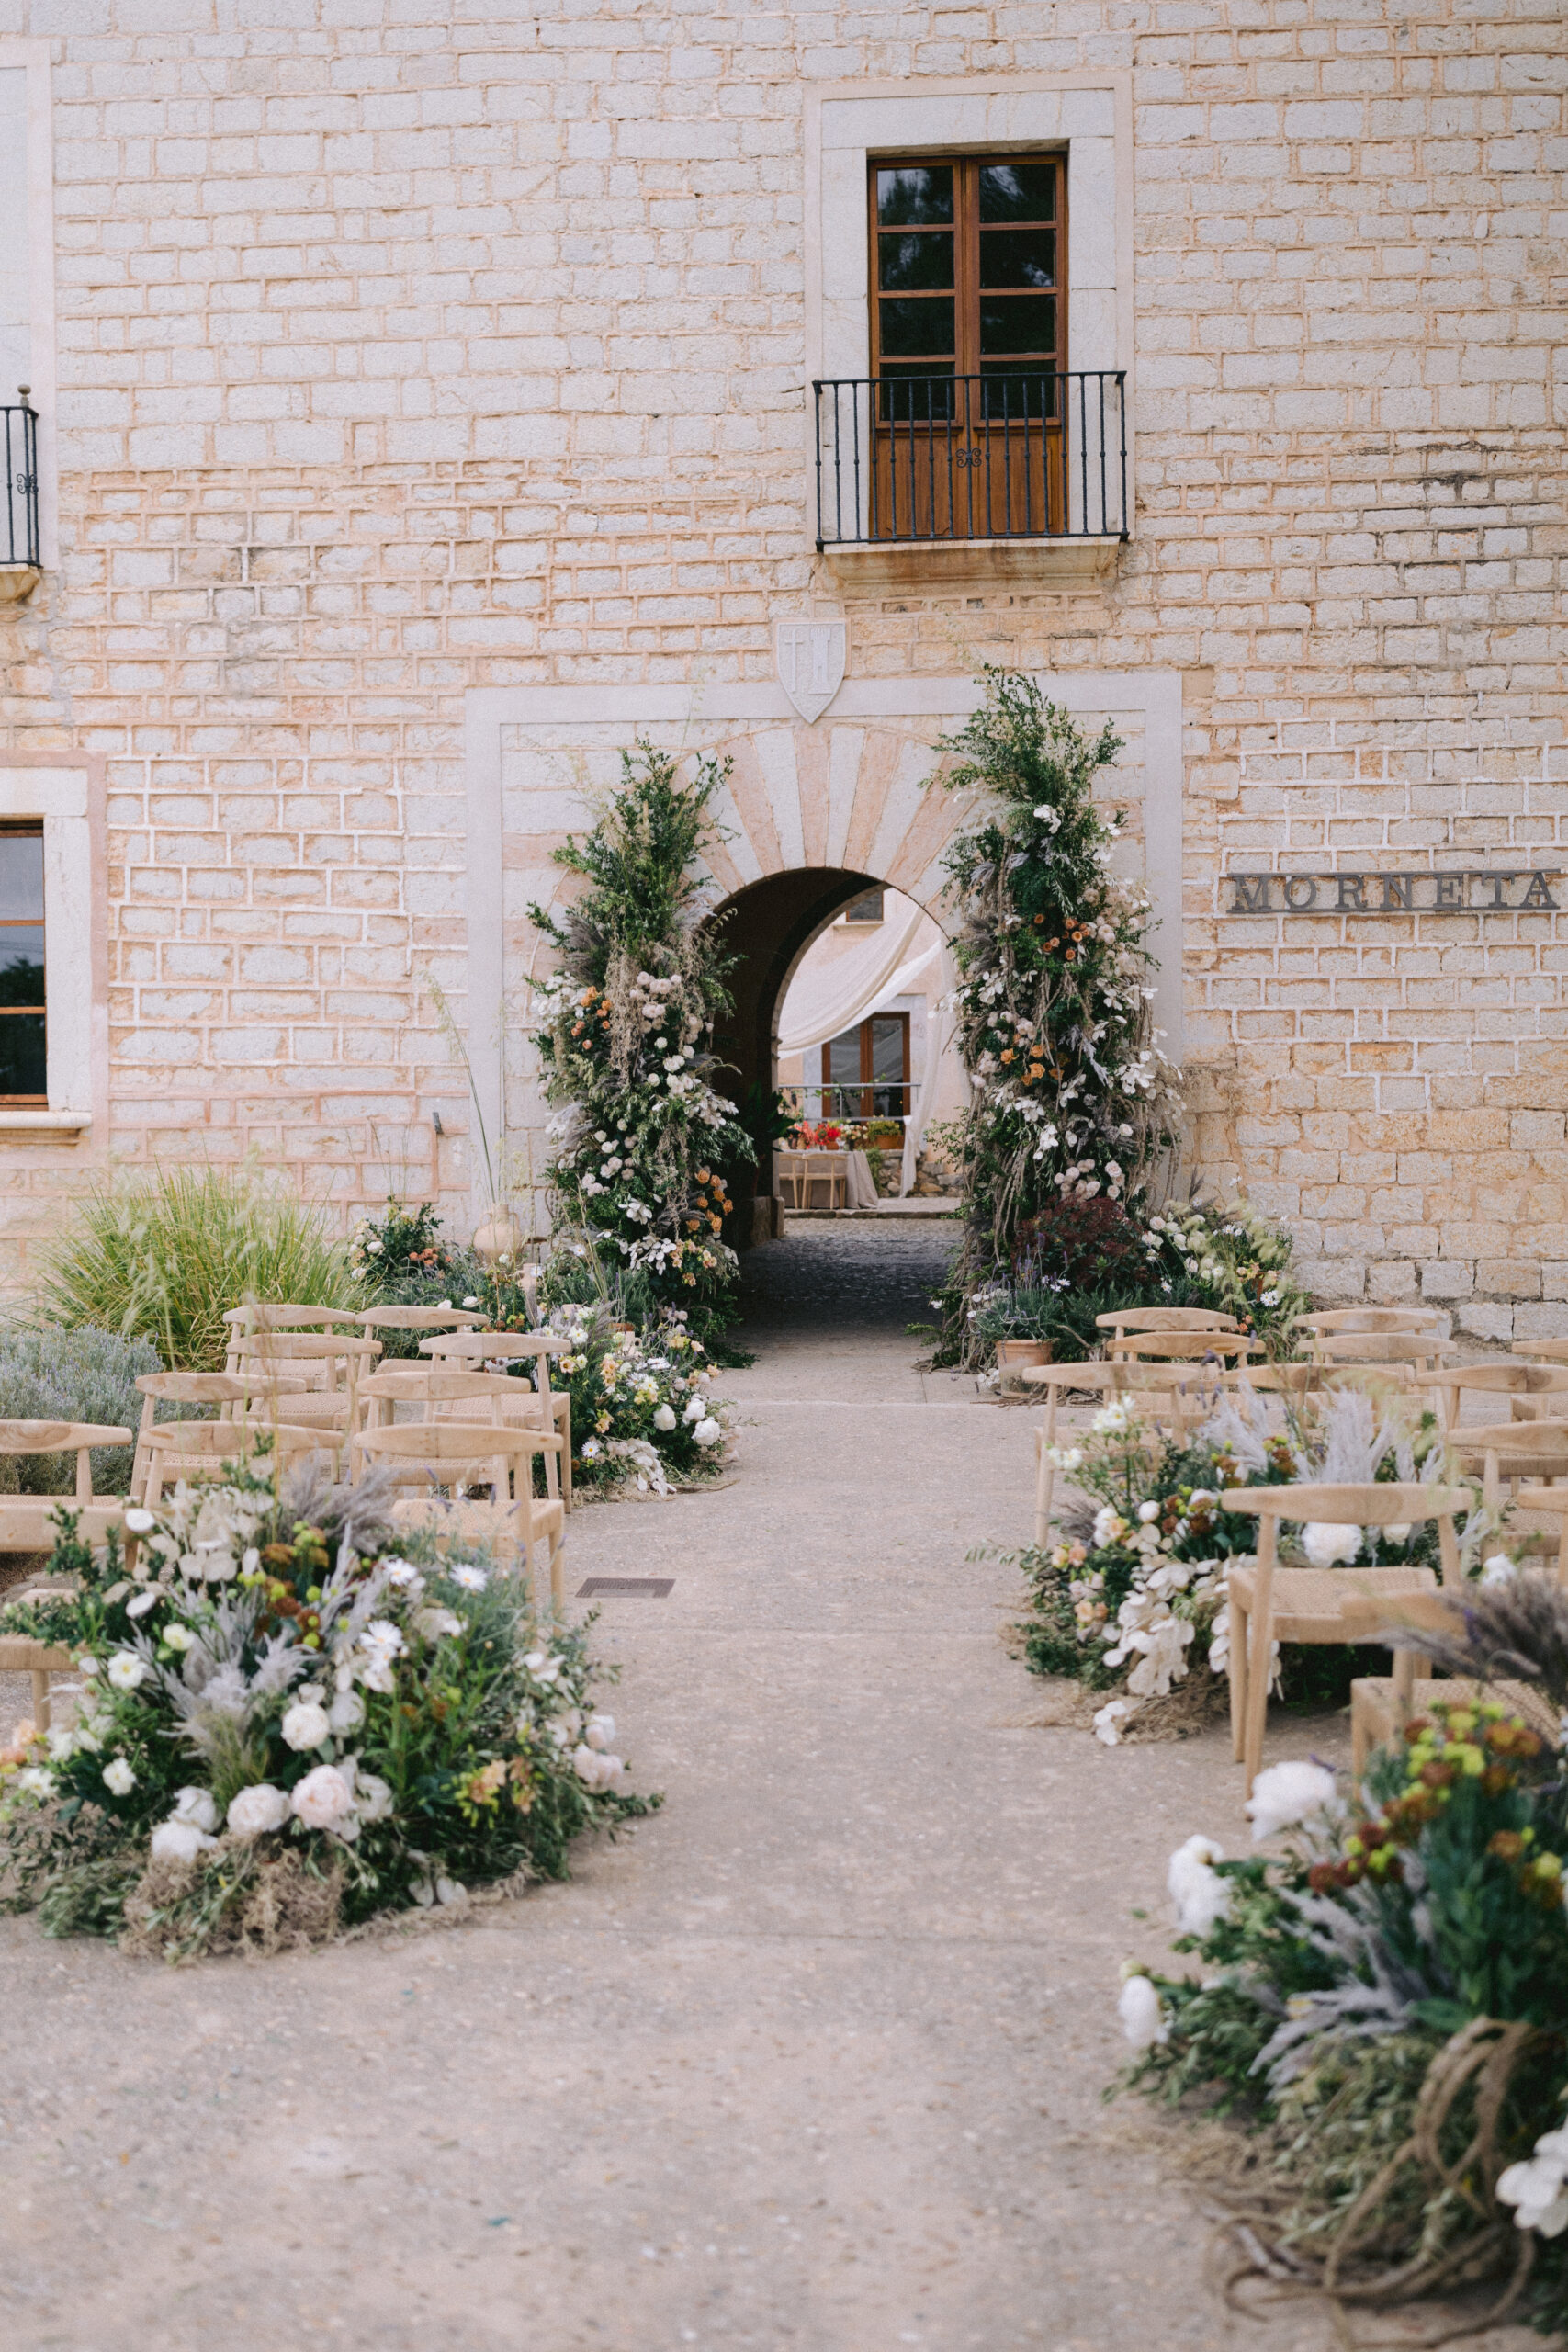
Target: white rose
372,1798
432,1623
258,1809
118,1778
194,1805
178,1841
592,1769
323,1799
346,1711
306,1725
125,1670
1326,1545
601,1731
665,1417
1143,2019
709,1431
695,1409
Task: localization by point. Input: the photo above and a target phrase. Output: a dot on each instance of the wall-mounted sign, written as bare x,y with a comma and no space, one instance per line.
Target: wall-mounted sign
1483,892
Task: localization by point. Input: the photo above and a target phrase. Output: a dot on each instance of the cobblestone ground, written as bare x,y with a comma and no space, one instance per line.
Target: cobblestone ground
811,2060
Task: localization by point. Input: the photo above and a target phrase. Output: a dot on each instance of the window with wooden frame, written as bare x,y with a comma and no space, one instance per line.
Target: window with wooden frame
968,344
23,1057
868,1069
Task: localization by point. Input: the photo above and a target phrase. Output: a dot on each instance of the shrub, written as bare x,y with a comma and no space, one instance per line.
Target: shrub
161,1256
82,1375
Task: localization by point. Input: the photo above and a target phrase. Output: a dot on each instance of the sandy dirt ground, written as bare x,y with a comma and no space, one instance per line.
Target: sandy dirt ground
814,2059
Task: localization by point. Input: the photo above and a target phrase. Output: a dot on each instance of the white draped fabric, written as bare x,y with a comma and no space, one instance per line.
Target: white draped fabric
906,951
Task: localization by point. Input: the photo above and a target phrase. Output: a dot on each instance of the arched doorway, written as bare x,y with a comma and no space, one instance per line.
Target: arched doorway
769,926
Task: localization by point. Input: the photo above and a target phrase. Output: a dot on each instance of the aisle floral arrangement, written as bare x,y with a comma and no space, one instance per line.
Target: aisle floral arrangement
1383,2011
644,1141
642,1407
1131,1600
288,1720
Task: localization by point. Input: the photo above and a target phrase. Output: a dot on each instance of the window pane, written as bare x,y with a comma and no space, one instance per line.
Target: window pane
924,258
21,876
1017,256
21,963
911,195
1017,191
1017,322
886,1048
842,1055
1009,393
21,1054
919,393
917,326
867,908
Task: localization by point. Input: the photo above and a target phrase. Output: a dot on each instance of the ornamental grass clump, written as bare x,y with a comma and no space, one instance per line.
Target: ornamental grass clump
161,1256
1383,2011
645,1143
286,1713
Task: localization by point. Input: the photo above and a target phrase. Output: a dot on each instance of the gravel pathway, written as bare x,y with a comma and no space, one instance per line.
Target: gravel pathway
811,2060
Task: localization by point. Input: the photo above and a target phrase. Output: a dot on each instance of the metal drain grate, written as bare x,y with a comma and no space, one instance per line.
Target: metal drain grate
645,1588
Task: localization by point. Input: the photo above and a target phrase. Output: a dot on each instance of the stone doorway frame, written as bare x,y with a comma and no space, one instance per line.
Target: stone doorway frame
1155,695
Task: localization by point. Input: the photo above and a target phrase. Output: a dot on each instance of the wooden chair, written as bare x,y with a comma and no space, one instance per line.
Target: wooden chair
791,1178
1182,1346
38,1660
1522,1383
1504,1453
1542,1351
434,1394
252,1316
331,1364
1370,1318
1377,1706
1268,1603
1181,1399
1409,1355
234,1396
420,1318
198,1450
24,1522
825,1172
1165,1318
453,1453
539,1405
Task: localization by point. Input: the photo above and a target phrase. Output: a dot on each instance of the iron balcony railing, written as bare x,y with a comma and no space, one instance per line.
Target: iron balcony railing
994,457
19,539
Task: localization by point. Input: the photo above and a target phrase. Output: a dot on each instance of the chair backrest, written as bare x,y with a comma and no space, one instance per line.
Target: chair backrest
64,1437
1370,1318
1546,1440
180,1449
1167,1319
1356,1506
1189,1347
421,1318
448,1441
254,1317
1420,1350
215,1388
336,1359
495,1347
428,1386
1542,1351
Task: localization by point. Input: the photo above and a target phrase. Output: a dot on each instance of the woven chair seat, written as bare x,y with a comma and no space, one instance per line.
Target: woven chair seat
1309,1603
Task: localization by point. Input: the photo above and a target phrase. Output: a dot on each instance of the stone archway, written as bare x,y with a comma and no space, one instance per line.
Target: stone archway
813,813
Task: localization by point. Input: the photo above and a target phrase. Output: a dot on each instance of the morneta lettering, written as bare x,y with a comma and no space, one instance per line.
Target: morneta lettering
1484,890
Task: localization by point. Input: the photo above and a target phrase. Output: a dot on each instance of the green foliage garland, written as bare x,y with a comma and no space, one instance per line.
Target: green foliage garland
1071,1097
644,1139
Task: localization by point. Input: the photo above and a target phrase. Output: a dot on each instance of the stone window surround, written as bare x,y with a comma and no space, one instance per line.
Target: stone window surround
488,710
34,56
68,797
1088,112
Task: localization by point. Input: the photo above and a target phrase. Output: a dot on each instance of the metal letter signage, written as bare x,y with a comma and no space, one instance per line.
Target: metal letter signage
810,656
1482,891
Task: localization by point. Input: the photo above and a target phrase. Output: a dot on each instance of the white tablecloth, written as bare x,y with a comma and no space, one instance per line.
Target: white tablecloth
860,1188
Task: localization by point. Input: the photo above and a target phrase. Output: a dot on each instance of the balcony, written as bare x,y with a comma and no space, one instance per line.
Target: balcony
922,479
20,559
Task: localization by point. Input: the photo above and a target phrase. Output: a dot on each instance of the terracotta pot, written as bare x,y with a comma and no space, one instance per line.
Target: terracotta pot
501,1235
1019,1354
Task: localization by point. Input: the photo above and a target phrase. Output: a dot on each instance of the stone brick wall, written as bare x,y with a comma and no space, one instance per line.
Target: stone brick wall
405,349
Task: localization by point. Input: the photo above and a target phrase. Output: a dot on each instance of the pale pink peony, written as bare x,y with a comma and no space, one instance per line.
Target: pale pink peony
323,1799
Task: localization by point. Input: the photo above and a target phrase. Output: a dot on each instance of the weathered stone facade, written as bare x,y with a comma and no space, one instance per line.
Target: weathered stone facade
405,351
